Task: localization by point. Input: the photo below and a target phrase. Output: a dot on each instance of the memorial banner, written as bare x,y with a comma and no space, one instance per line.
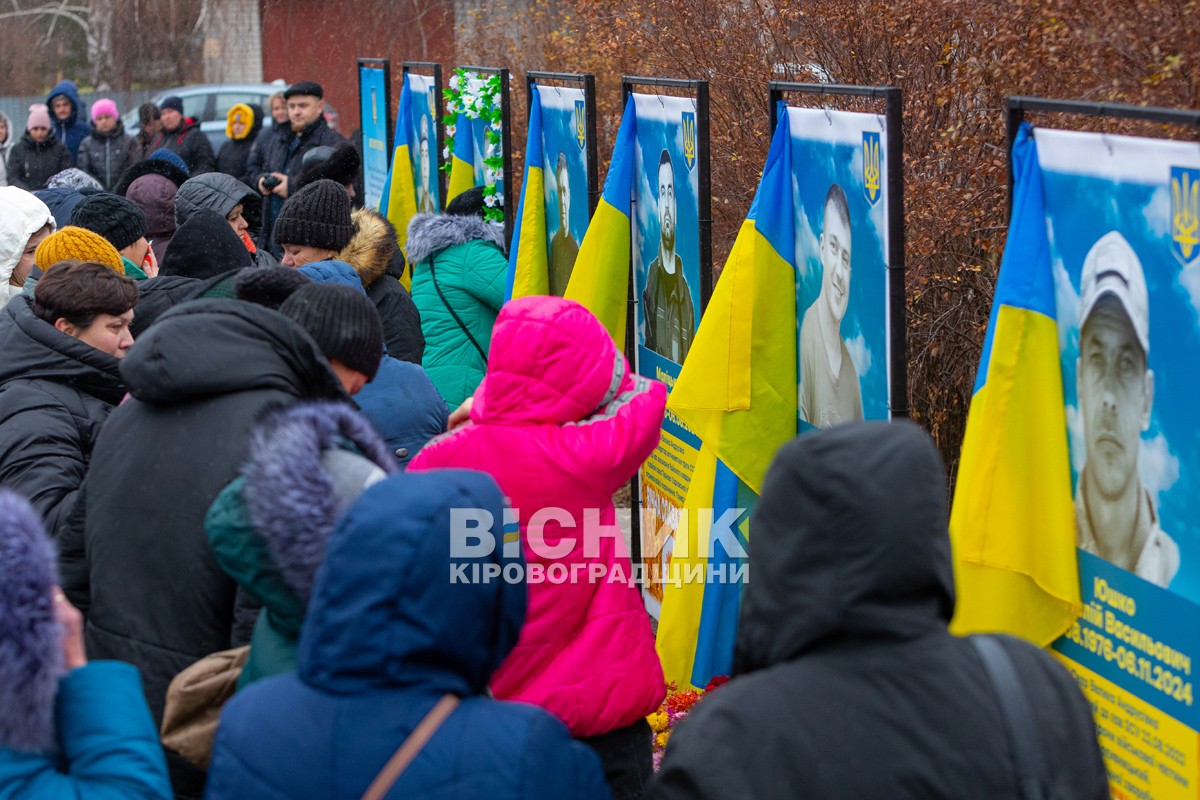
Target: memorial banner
552,216
1123,218
476,148
812,248
373,98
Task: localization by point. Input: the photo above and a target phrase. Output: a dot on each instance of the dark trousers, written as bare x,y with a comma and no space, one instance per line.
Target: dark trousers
628,758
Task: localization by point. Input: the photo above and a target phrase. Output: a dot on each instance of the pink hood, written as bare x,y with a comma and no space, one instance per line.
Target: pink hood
560,422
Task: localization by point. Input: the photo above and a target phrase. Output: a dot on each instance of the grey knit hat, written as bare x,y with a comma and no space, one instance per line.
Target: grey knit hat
316,216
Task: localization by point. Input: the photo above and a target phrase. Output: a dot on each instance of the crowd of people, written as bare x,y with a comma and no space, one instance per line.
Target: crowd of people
235,456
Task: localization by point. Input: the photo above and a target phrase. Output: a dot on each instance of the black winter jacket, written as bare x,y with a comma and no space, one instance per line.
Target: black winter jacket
190,144
373,253
55,392
135,557
847,683
32,164
106,156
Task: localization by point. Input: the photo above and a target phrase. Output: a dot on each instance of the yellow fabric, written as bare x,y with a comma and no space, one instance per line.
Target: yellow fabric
402,204
1012,524
78,244
240,112
532,274
600,279
737,388
462,177
682,606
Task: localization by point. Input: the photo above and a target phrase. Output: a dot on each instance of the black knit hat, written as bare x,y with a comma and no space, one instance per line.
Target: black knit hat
342,320
467,204
304,87
316,216
111,216
172,102
269,286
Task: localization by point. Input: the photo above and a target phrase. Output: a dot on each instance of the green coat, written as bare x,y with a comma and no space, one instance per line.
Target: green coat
243,555
466,255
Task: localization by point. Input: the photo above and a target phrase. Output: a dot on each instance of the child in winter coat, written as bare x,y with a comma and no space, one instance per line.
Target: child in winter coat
70,728
39,155
561,423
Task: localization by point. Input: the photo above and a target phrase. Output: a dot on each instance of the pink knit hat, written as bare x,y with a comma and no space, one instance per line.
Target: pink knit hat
104,106
39,117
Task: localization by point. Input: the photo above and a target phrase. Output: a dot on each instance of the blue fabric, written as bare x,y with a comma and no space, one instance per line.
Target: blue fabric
61,203
403,406
387,634
73,130
109,748
338,272
171,157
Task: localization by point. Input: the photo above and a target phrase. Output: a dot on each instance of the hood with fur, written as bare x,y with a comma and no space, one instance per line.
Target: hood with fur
430,233
292,497
372,247
30,649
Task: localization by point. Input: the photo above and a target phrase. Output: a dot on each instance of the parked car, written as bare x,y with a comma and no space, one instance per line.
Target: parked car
210,104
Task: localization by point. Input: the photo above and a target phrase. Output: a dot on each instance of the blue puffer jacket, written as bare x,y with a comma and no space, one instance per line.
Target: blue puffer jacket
106,734
74,129
403,406
387,634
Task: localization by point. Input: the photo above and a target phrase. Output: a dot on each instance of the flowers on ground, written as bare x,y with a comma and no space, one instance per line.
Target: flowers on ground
677,705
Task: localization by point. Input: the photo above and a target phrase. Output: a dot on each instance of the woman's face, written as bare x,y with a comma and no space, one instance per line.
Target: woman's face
105,123
3,131
25,262
279,112
39,134
239,129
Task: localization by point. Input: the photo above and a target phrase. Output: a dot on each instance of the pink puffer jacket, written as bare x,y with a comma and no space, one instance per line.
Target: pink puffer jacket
560,422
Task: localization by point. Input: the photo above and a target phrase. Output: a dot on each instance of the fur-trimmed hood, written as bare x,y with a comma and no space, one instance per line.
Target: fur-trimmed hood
292,497
372,247
429,233
30,647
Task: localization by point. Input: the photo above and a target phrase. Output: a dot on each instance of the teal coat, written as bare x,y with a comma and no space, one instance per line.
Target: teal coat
466,255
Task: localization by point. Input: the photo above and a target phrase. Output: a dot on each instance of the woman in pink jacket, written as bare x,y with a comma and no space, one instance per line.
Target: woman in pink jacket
561,423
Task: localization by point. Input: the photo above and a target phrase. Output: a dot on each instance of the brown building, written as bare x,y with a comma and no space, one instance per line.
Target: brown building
321,40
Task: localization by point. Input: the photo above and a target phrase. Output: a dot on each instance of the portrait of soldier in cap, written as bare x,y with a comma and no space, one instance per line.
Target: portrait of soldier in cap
1115,514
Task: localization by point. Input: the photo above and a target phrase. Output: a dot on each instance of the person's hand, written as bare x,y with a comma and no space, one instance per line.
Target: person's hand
263,190
282,188
71,620
461,415
150,264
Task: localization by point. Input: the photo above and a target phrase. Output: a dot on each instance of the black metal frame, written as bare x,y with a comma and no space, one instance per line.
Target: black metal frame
437,114
388,134
897,309
1016,106
699,90
505,145
588,83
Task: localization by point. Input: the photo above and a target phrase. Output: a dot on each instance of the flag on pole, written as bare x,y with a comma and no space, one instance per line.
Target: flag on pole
737,391
528,260
1012,523
399,201
462,159
600,280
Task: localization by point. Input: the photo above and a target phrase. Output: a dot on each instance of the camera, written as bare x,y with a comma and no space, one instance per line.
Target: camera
270,182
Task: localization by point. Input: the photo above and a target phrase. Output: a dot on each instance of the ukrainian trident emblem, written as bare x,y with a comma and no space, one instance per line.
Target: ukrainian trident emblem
1185,214
580,123
872,167
689,138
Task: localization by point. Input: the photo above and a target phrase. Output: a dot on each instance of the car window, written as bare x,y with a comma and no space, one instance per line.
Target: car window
227,100
194,105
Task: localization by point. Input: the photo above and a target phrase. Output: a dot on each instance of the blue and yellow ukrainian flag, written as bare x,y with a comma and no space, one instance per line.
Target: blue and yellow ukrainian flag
600,278
737,391
1012,523
528,259
462,170
399,200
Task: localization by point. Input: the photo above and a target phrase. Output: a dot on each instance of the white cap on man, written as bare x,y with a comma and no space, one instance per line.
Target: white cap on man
1111,267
